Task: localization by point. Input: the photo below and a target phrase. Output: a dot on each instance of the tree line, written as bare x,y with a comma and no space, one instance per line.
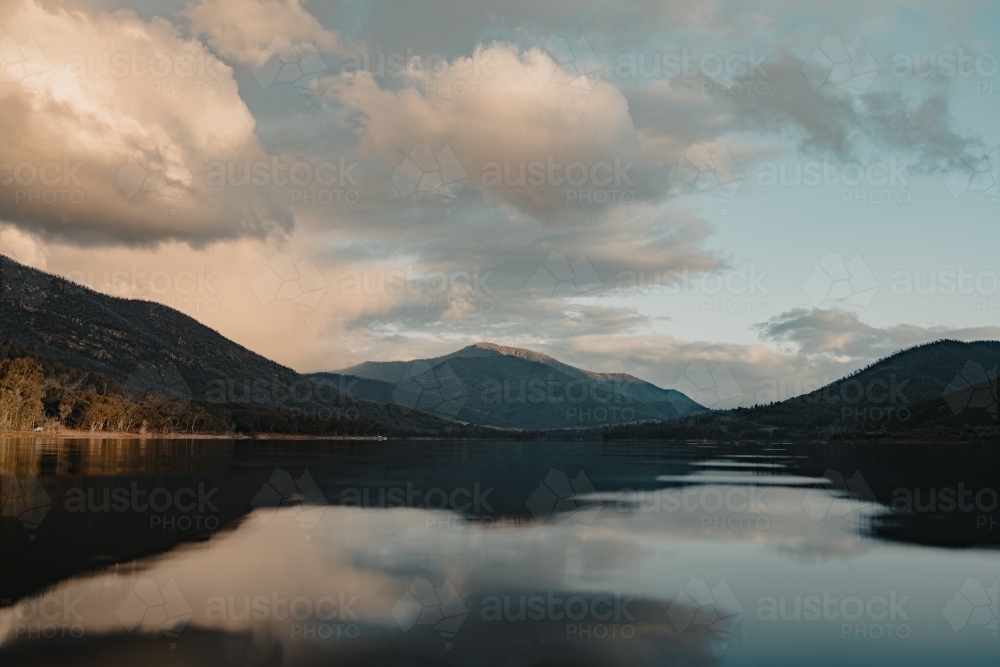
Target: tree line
36,392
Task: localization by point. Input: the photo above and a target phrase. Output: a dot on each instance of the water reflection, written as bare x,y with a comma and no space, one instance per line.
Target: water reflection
494,553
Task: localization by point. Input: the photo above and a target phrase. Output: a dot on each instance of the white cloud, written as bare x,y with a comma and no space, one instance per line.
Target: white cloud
23,247
516,139
243,29
113,146
843,334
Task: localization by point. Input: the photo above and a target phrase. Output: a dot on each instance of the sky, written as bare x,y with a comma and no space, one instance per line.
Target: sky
740,200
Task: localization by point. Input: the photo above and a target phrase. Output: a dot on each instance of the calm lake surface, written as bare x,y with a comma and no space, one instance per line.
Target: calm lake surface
442,553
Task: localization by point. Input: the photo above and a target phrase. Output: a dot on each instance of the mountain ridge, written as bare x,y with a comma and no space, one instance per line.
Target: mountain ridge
365,368
511,387
151,347
945,389
147,345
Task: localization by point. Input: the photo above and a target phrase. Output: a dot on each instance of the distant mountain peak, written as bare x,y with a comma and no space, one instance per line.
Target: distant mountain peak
512,387
504,350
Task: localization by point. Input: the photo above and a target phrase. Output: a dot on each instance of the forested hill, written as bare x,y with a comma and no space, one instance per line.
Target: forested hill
134,348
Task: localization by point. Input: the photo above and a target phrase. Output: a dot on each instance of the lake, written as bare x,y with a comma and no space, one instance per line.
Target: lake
497,553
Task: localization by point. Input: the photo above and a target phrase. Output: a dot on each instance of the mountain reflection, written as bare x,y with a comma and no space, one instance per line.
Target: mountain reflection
296,553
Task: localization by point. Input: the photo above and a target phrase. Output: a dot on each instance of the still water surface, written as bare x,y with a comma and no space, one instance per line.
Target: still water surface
406,553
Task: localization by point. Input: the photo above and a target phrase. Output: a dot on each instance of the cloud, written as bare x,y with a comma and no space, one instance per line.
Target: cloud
525,138
758,373
23,247
778,102
485,289
839,123
842,333
673,114
825,345
111,144
243,29
444,26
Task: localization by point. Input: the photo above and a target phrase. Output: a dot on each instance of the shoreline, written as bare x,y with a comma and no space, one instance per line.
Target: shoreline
69,434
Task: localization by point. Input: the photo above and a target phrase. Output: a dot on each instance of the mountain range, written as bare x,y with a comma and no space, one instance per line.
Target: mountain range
943,390
510,387
146,346
149,347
